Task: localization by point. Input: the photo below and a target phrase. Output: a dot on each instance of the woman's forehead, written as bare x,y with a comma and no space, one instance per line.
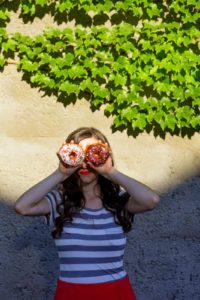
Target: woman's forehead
88,141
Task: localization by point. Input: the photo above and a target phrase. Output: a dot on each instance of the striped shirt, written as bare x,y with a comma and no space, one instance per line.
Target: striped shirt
91,247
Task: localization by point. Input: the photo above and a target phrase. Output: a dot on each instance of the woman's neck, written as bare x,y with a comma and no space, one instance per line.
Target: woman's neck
92,194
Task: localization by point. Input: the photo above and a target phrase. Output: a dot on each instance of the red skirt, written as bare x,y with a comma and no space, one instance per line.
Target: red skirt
115,290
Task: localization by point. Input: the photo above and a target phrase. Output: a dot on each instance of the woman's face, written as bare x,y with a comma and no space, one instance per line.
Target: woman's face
86,174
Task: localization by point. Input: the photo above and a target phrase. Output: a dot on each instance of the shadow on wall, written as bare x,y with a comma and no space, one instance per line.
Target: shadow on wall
162,254
29,262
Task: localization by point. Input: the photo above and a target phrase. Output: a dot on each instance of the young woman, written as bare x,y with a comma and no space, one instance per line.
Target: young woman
90,206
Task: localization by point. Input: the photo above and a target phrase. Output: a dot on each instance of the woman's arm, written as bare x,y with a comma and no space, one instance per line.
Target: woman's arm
32,202
142,198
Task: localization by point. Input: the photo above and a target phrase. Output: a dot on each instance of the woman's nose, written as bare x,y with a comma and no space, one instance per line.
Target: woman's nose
84,164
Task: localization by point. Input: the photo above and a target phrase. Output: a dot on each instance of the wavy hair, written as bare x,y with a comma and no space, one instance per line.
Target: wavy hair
73,199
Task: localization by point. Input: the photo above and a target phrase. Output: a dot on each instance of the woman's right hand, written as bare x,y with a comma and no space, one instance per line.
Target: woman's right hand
65,168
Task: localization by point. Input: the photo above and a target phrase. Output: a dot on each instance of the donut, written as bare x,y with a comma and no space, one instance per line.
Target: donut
97,154
71,154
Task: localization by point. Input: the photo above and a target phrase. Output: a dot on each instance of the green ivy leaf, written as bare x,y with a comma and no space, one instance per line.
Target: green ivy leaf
118,121
41,2
125,29
77,71
9,45
45,58
184,112
69,88
129,113
137,11
159,116
4,14
195,121
28,66
146,44
167,103
97,102
86,85
178,93
80,52
119,5
42,80
170,121
28,9
88,63
64,6
111,107
107,6
153,10
150,116
118,79
68,57
2,61
140,121
101,92
101,71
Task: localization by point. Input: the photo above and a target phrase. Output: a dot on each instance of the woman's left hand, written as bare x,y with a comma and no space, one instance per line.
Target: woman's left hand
104,169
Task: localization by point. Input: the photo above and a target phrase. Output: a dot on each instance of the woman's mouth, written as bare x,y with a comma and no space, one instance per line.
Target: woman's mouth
84,172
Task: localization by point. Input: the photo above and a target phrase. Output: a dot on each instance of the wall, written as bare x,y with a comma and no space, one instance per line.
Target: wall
163,248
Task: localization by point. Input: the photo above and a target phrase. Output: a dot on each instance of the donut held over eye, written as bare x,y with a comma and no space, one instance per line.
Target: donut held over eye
97,154
71,154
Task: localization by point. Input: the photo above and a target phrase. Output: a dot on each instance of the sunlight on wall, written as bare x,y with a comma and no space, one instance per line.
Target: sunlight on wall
33,127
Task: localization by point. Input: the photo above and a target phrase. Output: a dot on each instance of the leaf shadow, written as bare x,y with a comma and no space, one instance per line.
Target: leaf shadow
80,17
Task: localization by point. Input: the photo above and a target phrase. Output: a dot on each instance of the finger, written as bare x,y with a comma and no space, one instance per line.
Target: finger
91,166
62,145
61,161
84,164
58,155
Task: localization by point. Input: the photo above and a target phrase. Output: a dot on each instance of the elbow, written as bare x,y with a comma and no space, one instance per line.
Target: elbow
19,209
155,200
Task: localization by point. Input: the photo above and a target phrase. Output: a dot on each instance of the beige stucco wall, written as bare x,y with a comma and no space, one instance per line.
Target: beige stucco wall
33,127
162,257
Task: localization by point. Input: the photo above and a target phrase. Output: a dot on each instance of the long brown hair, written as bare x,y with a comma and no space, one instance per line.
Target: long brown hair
73,199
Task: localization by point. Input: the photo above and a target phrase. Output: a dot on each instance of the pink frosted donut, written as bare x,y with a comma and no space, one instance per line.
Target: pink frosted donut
97,154
71,154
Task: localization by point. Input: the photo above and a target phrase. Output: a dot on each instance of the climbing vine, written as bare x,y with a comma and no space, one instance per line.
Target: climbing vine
143,70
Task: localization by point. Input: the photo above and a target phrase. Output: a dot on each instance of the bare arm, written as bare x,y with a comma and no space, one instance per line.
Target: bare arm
142,198
32,202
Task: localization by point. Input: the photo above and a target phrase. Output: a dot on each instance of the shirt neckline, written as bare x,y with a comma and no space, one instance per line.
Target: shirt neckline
93,209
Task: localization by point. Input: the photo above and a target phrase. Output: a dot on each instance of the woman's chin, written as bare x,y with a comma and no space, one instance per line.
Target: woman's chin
87,177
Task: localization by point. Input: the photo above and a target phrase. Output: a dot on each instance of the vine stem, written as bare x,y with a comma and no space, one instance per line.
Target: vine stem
12,61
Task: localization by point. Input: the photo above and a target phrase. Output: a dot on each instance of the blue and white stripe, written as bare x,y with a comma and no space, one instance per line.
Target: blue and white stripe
91,247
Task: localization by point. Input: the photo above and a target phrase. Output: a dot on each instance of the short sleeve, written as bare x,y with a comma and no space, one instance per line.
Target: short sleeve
54,199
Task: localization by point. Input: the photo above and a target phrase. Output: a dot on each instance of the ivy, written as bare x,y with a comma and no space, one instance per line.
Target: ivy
143,70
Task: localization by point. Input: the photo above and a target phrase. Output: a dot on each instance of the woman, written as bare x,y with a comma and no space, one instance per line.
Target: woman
90,211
